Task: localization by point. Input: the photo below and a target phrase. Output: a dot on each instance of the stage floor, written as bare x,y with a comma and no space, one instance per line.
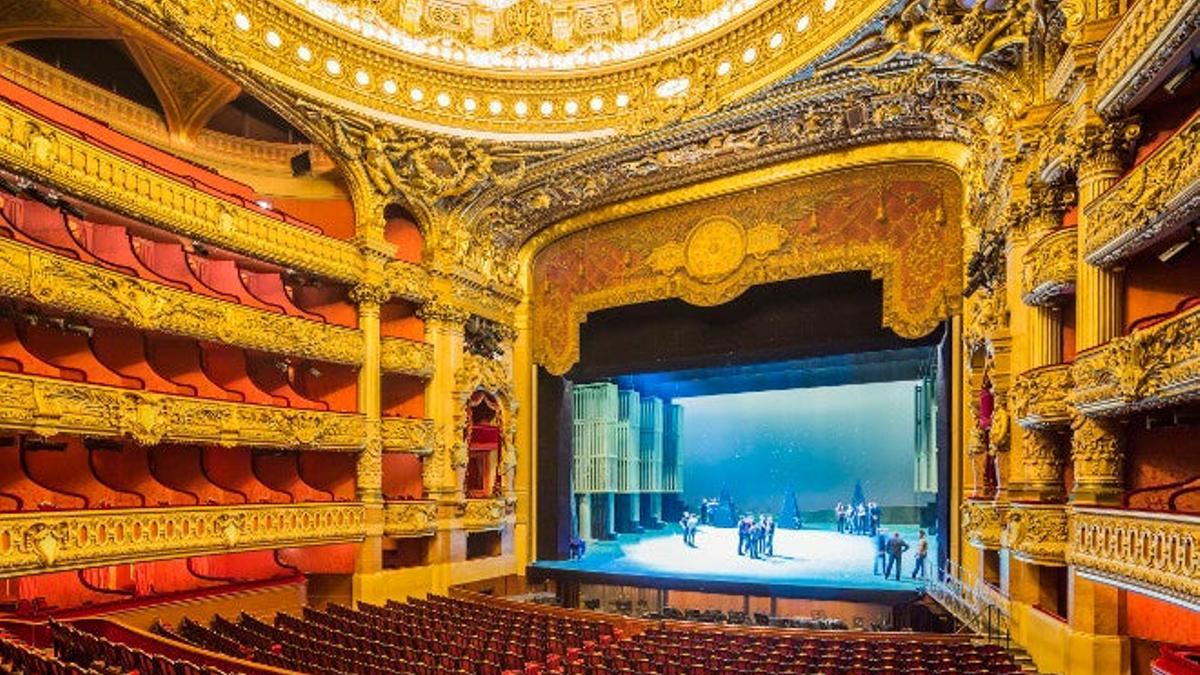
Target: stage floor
809,558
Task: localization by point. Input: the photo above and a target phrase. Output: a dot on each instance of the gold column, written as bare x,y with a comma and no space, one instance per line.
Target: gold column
444,331
1045,336
1096,448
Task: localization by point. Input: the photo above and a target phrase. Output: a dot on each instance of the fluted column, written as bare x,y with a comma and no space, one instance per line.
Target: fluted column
444,327
1045,336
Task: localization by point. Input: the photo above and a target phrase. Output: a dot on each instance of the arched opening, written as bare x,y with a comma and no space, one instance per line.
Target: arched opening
400,229
485,439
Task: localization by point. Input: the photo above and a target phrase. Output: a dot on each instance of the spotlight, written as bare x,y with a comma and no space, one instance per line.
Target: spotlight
1176,81
1177,248
302,164
31,443
199,249
314,372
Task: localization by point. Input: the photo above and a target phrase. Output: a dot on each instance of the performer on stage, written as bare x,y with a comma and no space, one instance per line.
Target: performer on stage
896,548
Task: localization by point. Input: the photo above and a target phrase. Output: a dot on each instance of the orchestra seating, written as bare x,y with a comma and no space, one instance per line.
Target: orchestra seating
459,636
77,652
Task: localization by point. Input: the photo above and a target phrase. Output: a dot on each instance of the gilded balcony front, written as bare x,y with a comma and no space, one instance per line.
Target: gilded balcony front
1153,551
48,407
1037,532
1048,268
1158,200
409,519
983,523
484,514
408,357
1145,41
44,541
407,434
34,275
1150,368
1041,397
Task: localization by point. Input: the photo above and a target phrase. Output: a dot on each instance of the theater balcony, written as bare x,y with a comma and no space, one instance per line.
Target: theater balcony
409,518
1140,50
1037,533
407,435
1156,365
1048,269
39,542
486,514
1156,203
406,357
1150,552
1040,397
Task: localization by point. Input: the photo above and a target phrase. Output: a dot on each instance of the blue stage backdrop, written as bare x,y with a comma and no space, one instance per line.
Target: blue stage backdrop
817,442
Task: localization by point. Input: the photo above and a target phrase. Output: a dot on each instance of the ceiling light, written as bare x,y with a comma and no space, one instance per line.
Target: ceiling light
802,23
443,99
304,53
469,105
672,87
273,39
830,4
749,55
362,78
776,41
241,21
495,107
547,108
596,104
389,87
622,100
333,67
521,108
723,68
571,108
416,94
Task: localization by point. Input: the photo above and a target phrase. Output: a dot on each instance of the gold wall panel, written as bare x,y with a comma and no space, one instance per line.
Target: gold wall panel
1048,268
1040,397
1158,199
45,541
410,357
409,519
1149,368
900,222
47,407
405,434
1151,550
1135,52
31,274
1037,532
983,523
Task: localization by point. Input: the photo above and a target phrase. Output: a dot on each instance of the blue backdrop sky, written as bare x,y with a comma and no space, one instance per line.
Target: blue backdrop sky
818,441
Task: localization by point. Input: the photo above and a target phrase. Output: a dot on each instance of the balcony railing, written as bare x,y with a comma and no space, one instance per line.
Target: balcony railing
1040,397
409,357
983,523
1139,47
48,406
404,434
42,541
973,603
1158,200
1150,551
409,519
484,514
1048,269
74,287
1037,532
1153,367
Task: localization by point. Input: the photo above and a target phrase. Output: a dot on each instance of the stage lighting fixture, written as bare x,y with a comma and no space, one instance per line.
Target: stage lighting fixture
199,249
314,372
302,164
30,443
1179,247
1176,81
72,209
12,187
105,444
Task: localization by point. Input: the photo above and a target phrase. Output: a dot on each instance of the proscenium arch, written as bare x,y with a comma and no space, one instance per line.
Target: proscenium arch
950,156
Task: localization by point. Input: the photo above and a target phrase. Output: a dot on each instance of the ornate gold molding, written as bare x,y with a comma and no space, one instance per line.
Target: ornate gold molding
1134,54
899,222
1037,533
32,274
1149,368
47,407
404,434
1154,552
1048,268
1040,397
484,514
409,519
1157,199
33,147
46,541
410,357
983,523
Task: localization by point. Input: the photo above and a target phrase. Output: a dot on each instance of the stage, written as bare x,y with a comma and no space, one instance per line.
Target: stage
809,563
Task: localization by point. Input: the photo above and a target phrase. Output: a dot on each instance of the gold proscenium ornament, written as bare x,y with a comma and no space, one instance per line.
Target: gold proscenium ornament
714,250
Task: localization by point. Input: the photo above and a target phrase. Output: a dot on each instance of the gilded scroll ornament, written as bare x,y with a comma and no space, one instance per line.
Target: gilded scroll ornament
409,519
484,514
47,407
1048,268
1097,460
1040,396
1043,459
65,540
1135,53
983,523
403,434
408,357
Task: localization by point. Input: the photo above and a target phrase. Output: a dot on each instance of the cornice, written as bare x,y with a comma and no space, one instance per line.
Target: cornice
47,407
33,275
48,541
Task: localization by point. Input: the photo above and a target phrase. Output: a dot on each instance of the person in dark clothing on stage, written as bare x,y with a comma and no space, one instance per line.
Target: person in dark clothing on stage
756,538
744,535
895,548
840,511
875,513
769,537
881,541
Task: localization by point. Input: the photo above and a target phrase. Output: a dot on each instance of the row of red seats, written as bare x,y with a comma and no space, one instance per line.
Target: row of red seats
114,658
1154,319
165,261
99,134
19,658
99,353
1181,496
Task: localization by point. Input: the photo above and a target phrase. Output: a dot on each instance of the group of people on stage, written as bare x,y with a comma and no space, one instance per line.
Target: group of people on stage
861,518
756,538
689,522
889,553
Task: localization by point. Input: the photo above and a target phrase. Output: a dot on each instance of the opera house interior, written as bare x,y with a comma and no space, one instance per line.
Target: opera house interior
558,337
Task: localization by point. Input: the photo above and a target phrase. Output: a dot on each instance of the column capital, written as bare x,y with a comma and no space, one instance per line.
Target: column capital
368,294
1104,146
439,311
